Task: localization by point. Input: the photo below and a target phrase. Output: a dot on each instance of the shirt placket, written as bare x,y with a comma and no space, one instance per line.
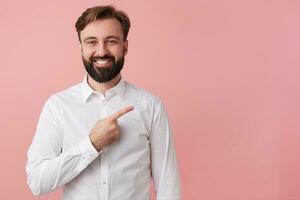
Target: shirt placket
104,181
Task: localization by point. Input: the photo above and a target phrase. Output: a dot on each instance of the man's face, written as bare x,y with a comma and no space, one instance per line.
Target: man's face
103,49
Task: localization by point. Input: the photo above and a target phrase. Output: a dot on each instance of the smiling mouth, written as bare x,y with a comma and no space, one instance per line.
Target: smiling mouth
102,62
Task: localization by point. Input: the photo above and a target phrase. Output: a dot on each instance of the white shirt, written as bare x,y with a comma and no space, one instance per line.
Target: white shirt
62,154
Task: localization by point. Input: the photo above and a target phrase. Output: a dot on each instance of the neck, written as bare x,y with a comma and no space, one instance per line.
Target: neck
103,87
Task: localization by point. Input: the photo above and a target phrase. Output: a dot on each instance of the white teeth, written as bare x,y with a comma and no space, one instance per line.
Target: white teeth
102,61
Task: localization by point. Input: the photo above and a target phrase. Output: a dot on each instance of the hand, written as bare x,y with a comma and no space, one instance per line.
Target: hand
106,130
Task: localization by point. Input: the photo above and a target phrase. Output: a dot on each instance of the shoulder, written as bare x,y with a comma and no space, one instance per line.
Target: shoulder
66,96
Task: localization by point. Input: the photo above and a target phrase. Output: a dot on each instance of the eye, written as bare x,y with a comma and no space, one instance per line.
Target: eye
91,42
112,41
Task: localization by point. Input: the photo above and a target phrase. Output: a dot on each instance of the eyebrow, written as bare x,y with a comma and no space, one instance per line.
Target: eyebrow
113,37
89,38
108,37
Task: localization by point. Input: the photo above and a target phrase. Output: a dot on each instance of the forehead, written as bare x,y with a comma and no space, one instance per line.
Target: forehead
102,29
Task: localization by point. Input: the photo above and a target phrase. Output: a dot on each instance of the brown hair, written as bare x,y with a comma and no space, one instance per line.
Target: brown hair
102,12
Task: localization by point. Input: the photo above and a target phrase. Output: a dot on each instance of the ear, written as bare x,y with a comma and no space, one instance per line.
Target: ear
125,47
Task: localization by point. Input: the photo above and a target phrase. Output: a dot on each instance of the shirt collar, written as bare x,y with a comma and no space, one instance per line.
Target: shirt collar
87,91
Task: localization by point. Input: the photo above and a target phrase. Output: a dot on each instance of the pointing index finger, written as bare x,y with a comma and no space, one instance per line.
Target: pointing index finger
121,112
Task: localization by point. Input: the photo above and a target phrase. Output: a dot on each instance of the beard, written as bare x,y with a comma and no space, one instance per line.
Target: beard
103,74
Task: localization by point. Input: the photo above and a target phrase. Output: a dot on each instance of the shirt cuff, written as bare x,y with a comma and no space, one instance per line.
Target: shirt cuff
86,147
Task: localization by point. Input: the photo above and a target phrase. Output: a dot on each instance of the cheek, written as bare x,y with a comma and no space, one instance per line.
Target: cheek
86,53
118,53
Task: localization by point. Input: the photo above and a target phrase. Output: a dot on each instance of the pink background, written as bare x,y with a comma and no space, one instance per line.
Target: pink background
227,72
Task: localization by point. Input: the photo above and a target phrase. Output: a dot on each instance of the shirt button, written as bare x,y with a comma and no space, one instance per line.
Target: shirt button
104,182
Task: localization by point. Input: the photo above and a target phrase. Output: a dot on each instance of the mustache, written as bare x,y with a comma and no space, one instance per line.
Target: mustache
102,57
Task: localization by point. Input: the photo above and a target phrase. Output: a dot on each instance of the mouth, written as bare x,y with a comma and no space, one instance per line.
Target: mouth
98,62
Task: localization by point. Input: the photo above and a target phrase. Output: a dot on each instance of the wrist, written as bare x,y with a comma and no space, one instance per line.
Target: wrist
96,143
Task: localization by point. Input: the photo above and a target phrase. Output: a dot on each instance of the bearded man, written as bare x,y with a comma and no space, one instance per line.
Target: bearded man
103,138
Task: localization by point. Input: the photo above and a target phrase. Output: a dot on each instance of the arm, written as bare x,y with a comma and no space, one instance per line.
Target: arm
47,168
164,166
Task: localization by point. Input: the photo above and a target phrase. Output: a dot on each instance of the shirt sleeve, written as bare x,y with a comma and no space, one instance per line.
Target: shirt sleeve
164,166
48,167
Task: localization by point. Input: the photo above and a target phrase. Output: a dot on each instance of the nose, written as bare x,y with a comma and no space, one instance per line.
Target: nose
101,50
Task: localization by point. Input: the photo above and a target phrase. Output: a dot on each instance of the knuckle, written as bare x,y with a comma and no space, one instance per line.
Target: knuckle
115,126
